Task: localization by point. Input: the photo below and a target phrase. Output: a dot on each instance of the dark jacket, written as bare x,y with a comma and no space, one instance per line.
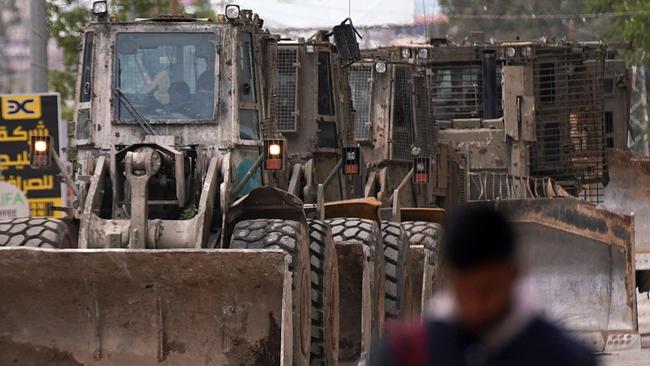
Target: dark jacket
523,337
538,343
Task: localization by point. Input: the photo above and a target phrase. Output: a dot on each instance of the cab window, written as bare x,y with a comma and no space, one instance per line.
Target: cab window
166,75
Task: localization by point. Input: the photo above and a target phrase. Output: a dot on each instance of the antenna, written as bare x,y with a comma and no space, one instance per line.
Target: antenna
350,9
426,26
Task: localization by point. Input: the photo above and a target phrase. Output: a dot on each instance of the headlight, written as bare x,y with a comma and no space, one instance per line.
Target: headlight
275,149
380,67
40,146
423,53
232,12
309,48
100,8
527,51
511,52
406,53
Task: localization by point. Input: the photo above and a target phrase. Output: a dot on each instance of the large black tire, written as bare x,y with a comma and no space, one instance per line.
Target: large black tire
35,232
396,254
423,233
324,295
291,237
366,232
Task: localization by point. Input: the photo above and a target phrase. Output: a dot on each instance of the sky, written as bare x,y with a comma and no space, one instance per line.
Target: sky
325,13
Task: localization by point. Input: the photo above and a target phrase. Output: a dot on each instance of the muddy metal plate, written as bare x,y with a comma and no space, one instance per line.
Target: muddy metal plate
143,307
579,261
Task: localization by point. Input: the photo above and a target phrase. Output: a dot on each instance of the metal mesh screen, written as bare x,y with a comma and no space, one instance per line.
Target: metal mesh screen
402,114
456,91
359,80
424,118
570,145
285,89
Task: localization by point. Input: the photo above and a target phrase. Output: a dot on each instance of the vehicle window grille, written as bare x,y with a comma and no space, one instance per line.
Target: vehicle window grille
424,118
569,120
359,80
402,114
285,91
456,91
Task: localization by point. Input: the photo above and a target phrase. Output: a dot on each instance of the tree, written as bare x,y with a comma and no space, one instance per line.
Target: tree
475,15
632,25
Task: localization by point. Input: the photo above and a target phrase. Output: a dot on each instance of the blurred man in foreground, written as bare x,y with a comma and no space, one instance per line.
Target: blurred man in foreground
482,317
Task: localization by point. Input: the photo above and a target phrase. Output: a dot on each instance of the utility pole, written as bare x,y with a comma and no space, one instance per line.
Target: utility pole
38,45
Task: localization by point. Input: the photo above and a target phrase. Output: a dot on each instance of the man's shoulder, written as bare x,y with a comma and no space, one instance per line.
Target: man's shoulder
556,343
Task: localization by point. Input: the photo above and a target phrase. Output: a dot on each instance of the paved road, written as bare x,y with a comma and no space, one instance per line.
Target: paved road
636,358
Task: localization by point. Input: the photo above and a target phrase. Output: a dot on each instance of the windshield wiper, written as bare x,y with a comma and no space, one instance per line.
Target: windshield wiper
144,123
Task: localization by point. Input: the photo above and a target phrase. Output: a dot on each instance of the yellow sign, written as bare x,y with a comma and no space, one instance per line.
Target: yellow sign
21,107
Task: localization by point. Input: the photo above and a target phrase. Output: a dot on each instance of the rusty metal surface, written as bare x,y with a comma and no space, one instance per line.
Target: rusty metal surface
423,274
436,215
579,262
355,302
363,208
117,307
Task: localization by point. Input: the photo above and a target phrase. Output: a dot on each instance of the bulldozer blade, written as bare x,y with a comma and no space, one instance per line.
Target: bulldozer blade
579,263
423,274
144,307
360,208
355,302
435,215
627,193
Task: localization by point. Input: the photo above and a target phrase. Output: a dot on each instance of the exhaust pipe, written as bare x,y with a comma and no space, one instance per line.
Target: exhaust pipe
489,76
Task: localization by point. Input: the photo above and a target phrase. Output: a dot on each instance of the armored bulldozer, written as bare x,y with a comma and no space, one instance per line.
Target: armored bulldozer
530,122
182,250
406,168
313,107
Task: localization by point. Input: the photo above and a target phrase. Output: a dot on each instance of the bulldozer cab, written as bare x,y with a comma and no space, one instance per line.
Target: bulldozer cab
163,75
164,104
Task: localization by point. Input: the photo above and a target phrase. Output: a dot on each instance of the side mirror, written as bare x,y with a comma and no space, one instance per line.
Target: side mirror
345,37
39,152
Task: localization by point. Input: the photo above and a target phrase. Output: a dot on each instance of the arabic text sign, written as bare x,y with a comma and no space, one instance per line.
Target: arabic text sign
13,202
21,117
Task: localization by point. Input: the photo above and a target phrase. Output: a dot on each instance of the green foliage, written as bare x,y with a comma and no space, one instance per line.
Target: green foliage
66,20
628,28
509,29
